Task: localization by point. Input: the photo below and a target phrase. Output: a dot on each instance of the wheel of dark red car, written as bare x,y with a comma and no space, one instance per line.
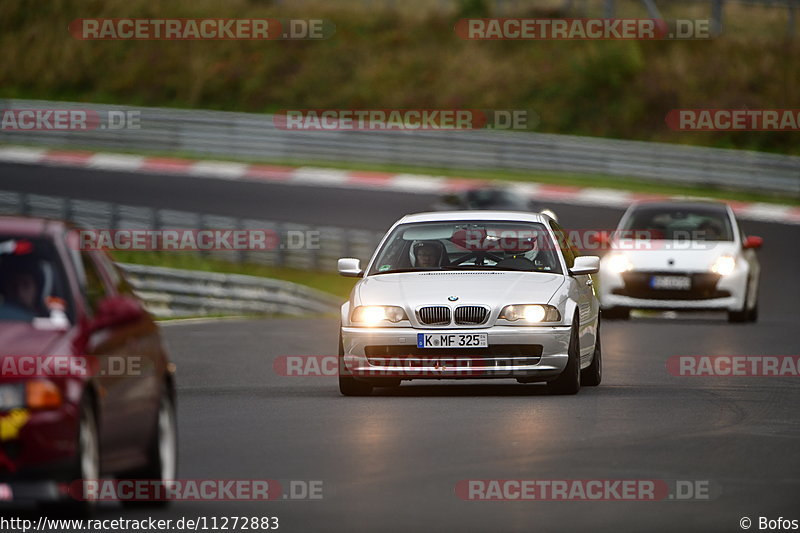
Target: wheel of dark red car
86,467
162,453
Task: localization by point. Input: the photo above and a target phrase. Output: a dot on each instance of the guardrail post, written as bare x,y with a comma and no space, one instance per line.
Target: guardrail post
113,223
68,211
716,17
280,260
201,225
609,9
240,254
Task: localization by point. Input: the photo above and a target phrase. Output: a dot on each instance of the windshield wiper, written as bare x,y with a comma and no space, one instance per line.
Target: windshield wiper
401,270
484,267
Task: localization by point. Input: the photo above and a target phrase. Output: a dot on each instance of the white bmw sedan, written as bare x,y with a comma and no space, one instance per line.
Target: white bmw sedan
471,295
680,255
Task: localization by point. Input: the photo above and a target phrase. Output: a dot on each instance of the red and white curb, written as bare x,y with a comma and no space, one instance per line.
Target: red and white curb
355,179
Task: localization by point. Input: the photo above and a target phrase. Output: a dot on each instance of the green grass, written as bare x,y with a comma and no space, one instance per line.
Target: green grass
410,58
328,282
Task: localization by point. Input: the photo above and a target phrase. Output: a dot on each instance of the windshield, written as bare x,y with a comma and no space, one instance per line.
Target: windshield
686,223
32,282
463,245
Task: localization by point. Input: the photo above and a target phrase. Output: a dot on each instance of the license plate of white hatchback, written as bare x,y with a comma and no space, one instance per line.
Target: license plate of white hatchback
452,340
673,283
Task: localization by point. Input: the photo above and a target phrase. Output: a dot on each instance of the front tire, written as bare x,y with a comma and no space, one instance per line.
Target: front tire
593,374
745,315
162,453
616,313
569,381
86,468
349,386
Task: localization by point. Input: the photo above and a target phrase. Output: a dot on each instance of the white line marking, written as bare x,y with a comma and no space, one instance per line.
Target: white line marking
320,176
115,161
21,154
218,169
418,183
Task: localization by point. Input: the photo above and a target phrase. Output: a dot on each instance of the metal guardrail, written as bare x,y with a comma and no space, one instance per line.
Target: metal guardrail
170,292
247,135
329,243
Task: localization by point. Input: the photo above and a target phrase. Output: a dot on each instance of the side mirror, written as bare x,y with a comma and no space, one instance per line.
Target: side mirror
753,242
587,264
117,311
350,267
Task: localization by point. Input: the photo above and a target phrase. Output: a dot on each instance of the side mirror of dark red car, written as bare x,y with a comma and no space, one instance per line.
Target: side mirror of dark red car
753,242
117,311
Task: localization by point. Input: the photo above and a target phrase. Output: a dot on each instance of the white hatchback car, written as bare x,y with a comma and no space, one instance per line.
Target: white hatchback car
680,255
471,295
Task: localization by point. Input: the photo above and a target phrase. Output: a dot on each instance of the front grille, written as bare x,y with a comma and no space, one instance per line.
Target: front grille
471,315
434,315
521,354
704,287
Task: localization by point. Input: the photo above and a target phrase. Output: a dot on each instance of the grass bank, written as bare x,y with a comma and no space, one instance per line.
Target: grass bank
406,58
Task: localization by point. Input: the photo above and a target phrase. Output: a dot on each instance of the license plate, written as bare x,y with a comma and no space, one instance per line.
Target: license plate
675,283
452,340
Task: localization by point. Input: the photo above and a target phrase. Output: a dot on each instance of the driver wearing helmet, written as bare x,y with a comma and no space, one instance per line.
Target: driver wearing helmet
21,287
427,254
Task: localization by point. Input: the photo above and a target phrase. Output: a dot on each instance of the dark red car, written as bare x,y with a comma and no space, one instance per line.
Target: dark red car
86,387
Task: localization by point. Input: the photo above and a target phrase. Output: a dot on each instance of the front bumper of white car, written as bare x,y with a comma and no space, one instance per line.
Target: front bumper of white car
527,353
708,291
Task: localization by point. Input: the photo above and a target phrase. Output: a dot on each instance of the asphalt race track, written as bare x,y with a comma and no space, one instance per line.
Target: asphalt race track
391,462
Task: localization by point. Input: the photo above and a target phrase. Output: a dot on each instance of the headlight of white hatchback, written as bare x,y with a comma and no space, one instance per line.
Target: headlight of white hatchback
530,313
619,263
373,315
724,265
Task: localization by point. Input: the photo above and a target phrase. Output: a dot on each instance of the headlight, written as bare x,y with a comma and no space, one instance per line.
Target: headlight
619,263
34,394
12,396
372,315
724,265
42,394
530,314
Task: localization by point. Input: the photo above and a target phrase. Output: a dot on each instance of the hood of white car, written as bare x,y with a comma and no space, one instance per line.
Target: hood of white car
668,255
413,289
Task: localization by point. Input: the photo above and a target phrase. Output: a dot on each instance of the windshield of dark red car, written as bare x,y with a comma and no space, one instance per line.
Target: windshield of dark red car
32,280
